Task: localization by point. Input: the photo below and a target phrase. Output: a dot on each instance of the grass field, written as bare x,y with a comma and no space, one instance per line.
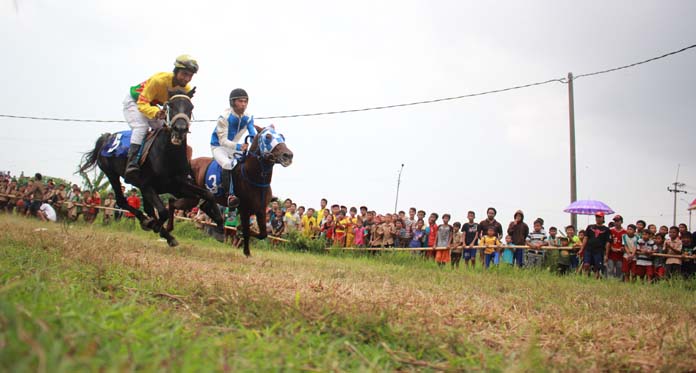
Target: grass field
94,298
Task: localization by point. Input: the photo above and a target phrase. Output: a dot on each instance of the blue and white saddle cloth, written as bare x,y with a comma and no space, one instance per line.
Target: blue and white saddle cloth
117,145
213,179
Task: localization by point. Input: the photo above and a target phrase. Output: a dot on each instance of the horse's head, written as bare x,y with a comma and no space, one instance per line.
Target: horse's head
179,111
271,146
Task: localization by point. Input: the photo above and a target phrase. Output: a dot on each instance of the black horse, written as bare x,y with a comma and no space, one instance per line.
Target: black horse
252,180
166,169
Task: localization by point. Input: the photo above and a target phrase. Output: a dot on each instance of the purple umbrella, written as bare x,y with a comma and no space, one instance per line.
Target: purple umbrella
588,207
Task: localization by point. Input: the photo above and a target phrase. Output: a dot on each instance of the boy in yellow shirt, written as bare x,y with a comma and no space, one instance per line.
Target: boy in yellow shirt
491,243
309,222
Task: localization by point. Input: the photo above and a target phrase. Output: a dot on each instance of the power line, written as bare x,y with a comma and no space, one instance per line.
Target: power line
636,64
470,95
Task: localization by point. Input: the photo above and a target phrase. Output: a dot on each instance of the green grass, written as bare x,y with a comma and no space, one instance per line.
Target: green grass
114,298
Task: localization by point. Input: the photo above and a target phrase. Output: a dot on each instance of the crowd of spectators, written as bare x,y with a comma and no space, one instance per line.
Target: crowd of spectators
636,251
51,201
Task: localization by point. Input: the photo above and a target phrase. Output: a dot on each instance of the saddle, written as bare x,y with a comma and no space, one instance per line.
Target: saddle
147,144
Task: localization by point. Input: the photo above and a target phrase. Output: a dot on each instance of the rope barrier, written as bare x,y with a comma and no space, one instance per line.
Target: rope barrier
279,239
122,210
542,248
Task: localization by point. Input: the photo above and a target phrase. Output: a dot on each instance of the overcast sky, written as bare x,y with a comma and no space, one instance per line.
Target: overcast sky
77,59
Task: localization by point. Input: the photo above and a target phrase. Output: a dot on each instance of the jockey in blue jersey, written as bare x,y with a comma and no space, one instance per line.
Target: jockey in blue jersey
227,141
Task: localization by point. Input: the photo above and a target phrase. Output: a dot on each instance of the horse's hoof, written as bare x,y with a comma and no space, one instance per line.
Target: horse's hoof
173,242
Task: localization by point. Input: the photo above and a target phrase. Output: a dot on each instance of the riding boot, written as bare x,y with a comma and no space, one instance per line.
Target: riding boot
132,173
232,200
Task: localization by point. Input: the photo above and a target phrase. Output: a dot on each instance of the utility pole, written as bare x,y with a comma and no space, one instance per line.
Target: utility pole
398,183
571,122
676,190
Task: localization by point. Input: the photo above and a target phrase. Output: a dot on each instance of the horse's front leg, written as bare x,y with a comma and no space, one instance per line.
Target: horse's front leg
150,195
210,207
261,219
244,216
178,204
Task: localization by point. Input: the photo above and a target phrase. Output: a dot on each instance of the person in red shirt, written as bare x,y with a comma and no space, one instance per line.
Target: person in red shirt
432,234
133,201
614,256
95,201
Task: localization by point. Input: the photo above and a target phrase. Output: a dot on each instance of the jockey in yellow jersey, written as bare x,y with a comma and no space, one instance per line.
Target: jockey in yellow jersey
141,110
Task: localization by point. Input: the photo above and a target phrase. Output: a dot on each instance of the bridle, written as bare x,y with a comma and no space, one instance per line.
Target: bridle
169,120
266,170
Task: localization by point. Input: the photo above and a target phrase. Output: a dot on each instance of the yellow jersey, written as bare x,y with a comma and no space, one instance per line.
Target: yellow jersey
154,91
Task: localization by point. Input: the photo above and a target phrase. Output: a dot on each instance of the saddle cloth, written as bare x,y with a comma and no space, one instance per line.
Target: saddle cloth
213,179
118,144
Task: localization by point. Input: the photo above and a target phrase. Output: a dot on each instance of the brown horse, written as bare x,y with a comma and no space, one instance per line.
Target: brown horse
251,177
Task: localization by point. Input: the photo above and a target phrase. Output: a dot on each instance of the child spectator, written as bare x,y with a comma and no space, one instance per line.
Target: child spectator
653,229
491,212
640,225
491,242
535,240
658,261
277,225
553,240
581,252
574,242
388,231
309,223
613,258
291,220
432,234
328,229
518,231
133,201
643,264
508,254
664,231
350,226
563,265
369,224
401,239
109,202
359,233
377,233
444,238
673,246
340,229
410,224
629,244
418,236
471,236
457,246
89,210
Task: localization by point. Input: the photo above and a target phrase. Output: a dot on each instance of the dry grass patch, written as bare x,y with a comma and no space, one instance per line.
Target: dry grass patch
532,319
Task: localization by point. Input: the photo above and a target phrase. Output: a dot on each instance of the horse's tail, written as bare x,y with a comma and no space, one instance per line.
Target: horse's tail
89,159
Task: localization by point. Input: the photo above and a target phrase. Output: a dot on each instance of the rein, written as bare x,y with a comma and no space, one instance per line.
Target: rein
265,171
